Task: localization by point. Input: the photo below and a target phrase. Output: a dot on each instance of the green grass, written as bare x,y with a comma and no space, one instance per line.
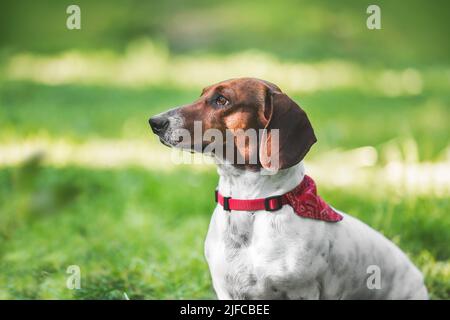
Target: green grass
301,30
84,112
123,227
126,233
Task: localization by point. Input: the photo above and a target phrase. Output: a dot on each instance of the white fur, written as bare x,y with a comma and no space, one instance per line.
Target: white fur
279,255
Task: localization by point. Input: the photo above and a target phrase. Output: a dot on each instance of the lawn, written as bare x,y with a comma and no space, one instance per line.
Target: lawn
123,227
84,182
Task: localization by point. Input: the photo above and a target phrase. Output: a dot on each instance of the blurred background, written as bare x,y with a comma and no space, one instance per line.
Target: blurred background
84,182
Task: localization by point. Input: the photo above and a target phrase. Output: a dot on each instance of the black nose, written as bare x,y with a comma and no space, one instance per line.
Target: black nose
158,124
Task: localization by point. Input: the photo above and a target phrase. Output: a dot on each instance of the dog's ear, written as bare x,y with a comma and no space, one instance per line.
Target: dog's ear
295,135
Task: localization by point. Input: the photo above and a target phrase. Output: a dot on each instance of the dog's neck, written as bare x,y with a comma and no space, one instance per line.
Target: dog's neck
243,184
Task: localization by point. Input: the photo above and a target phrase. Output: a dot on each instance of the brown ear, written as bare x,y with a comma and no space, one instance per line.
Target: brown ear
295,135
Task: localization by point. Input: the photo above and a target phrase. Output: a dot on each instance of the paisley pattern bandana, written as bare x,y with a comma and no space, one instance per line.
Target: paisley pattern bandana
307,203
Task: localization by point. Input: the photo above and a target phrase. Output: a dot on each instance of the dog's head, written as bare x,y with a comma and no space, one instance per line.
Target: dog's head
234,108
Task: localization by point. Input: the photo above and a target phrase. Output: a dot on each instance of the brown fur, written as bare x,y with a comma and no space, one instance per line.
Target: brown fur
253,104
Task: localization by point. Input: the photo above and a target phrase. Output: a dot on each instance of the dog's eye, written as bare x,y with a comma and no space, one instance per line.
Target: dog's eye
222,101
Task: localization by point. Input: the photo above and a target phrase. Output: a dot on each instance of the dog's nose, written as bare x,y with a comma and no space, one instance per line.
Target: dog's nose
158,124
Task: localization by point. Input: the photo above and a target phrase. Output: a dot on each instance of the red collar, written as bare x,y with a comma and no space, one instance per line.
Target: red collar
303,199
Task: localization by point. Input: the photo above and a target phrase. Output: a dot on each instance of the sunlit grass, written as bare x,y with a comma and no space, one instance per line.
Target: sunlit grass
99,192
339,168
145,63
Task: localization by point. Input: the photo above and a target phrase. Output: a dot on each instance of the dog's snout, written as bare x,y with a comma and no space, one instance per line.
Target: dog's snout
158,124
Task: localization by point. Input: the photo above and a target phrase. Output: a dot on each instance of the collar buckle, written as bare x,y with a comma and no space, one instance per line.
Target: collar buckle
268,203
226,203
226,200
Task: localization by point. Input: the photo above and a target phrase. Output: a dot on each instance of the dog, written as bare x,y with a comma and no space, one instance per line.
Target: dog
271,236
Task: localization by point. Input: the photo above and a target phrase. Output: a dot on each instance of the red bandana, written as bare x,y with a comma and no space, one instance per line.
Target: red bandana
303,199
306,203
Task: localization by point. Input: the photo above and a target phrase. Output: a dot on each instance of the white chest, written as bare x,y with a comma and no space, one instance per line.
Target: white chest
261,255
